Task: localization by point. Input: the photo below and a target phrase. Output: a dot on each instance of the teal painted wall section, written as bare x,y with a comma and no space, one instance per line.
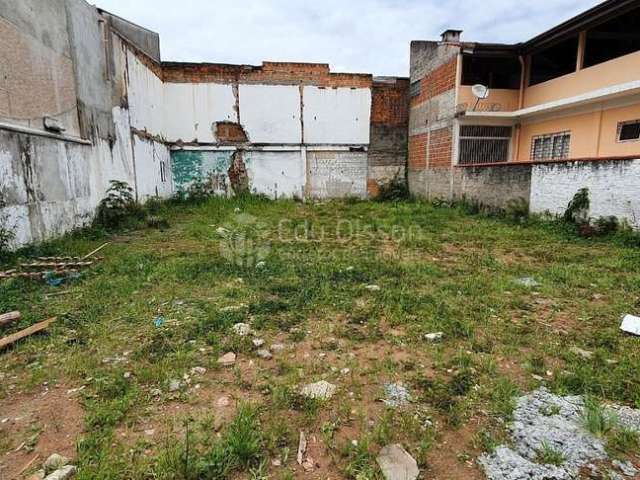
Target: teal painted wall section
189,166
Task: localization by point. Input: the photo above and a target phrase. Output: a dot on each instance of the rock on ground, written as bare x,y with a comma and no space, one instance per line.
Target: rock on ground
396,395
54,462
320,391
397,464
542,418
227,359
63,473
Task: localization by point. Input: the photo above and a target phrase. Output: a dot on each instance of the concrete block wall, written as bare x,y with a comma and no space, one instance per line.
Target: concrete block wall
614,188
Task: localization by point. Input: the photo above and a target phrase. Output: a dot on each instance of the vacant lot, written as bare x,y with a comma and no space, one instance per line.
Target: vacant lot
128,382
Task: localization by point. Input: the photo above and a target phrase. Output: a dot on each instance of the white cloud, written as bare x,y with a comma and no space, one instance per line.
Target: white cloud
370,36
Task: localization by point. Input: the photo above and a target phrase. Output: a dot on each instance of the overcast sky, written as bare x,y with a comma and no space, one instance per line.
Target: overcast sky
369,36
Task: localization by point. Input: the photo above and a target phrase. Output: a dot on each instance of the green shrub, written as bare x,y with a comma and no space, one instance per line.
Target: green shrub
118,206
394,191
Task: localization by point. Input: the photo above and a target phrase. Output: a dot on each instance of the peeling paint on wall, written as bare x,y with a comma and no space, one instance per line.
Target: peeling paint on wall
338,174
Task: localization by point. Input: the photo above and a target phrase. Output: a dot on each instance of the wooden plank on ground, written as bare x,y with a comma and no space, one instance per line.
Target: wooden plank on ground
38,327
7,318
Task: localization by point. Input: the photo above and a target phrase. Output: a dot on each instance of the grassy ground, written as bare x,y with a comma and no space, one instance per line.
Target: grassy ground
164,302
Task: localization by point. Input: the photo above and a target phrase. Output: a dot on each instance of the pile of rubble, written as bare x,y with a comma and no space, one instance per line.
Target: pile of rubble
543,419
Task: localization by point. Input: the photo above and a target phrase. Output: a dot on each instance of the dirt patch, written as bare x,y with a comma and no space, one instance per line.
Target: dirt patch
37,425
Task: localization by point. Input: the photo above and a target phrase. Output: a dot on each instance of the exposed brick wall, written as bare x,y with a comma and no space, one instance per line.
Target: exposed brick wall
441,80
418,151
281,73
390,103
440,147
230,132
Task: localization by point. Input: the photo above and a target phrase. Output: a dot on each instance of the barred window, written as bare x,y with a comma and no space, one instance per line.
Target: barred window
484,144
554,146
629,131
415,88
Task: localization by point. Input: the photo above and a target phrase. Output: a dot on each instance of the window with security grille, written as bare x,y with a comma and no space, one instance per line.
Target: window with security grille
554,146
484,144
629,131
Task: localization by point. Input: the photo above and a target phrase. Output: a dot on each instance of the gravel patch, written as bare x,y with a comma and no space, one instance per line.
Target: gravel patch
542,418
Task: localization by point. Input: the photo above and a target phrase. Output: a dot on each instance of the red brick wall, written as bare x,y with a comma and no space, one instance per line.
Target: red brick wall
389,103
418,151
437,82
286,73
440,147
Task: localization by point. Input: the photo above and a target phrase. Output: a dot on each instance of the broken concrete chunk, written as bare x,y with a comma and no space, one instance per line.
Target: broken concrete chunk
528,282
397,464
198,371
373,288
264,354
277,348
434,337
302,448
631,324
582,353
258,342
241,329
227,360
175,385
322,390
63,473
54,462
39,475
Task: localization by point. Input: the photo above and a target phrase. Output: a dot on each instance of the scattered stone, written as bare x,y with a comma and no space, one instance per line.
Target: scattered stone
396,395
276,462
127,375
277,348
264,354
150,433
223,402
258,342
309,464
528,282
241,329
261,265
63,473
397,464
631,324
345,371
322,390
227,360
54,462
156,392
434,337
174,385
582,353
198,371
373,288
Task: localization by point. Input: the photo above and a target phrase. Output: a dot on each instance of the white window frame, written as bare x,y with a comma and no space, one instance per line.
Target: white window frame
620,127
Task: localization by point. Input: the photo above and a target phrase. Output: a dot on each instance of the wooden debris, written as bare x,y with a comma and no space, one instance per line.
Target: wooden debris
55,265
91,254
38,327
10,317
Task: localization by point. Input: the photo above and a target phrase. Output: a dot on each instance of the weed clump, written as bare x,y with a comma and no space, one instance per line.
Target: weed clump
118,206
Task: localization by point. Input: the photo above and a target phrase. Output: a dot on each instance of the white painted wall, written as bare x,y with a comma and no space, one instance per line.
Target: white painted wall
614,188
146,97
152,158
271,113
190,110
336,115
276,174
336,174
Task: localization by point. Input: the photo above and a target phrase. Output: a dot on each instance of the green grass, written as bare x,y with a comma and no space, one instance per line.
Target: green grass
303,282
548,455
